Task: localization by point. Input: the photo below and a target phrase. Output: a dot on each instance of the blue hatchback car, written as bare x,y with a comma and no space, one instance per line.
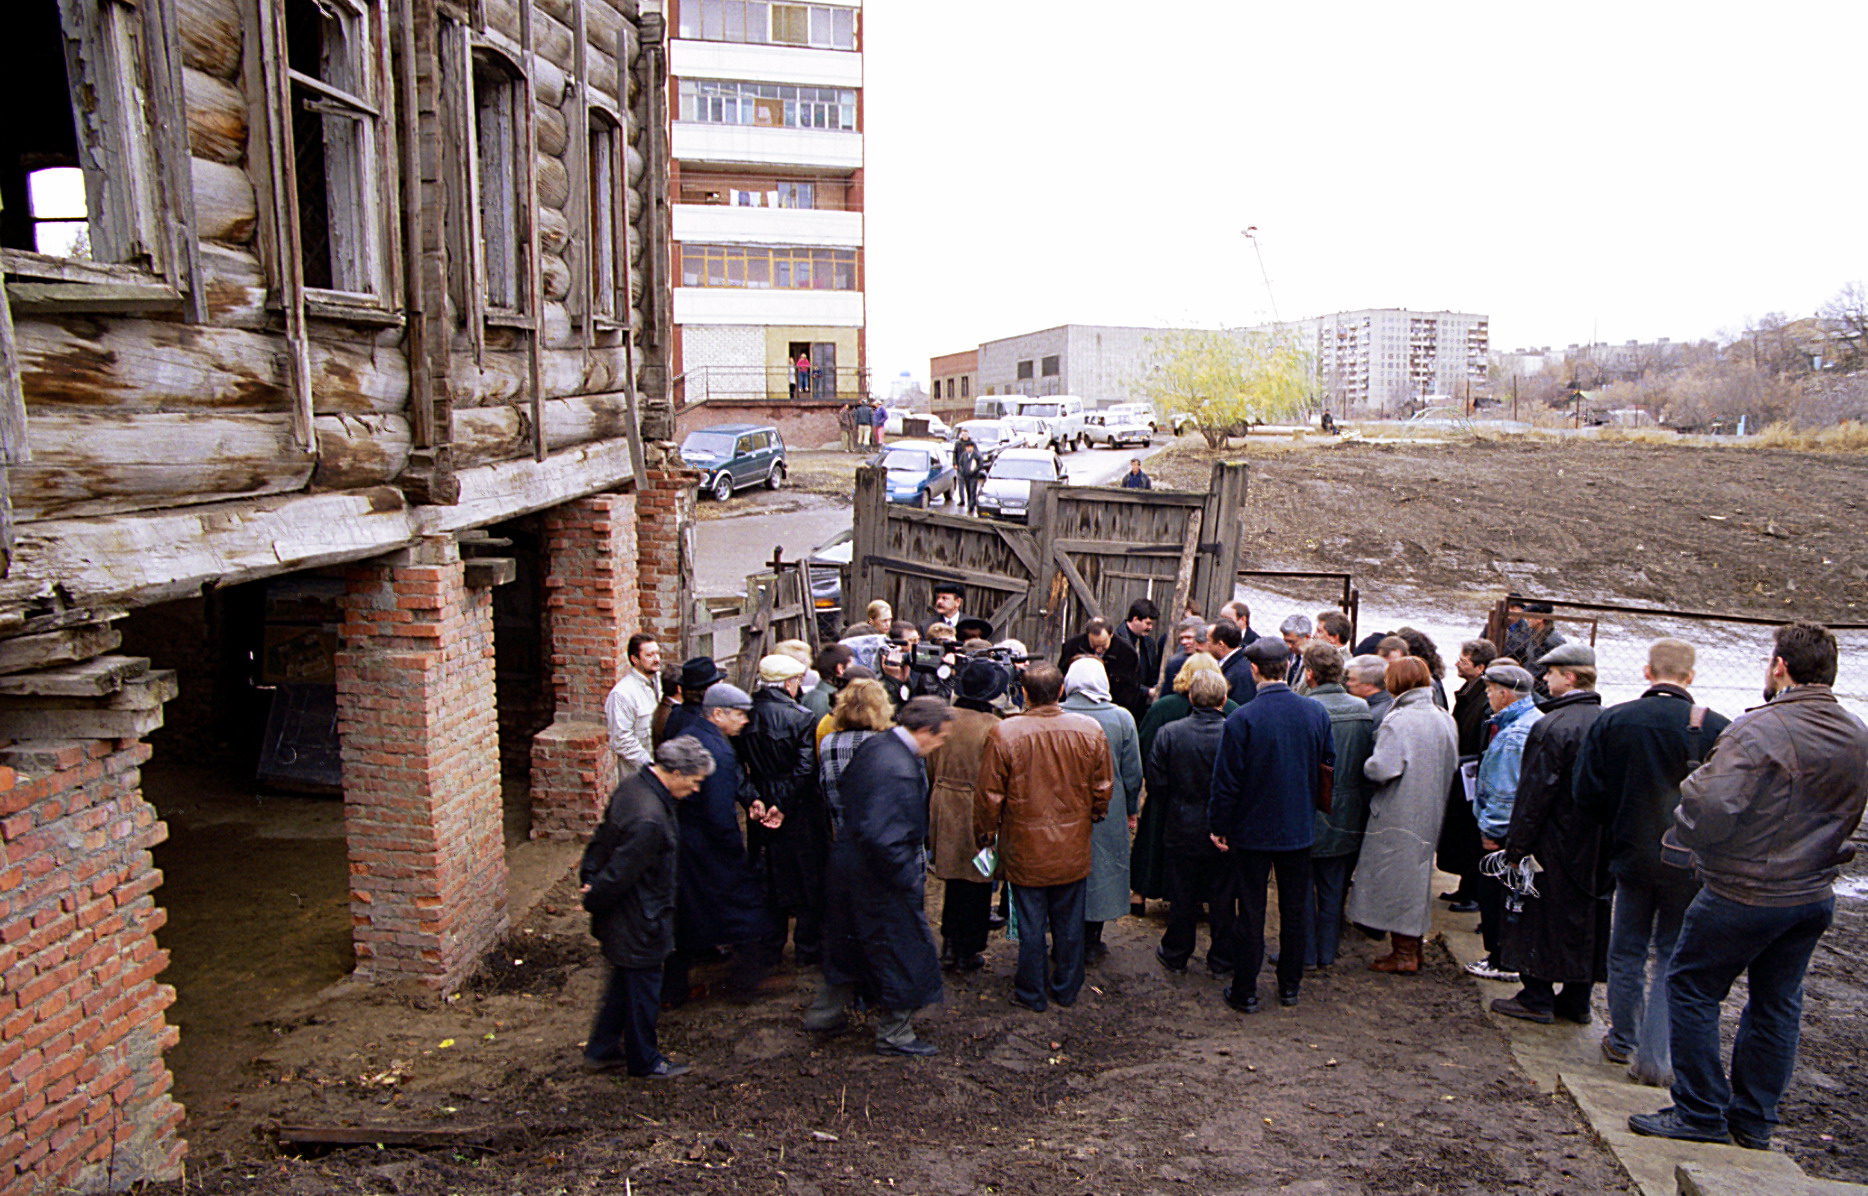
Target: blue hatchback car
918,470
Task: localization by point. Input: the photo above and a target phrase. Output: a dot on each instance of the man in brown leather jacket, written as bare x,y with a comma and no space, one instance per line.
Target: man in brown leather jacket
1046,776
1767,819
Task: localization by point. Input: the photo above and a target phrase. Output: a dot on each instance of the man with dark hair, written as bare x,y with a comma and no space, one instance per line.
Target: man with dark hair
1120,661
1339,832
1135,479
1767,819
1333,627
970,464
1262,809
1138,632
628,884
832,660
877,938
1458,850
1224,637
1045,777
1628,778
629,710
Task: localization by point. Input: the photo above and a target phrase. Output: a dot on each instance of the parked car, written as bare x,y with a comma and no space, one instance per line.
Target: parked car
992,436
827,566
1141,413
1063,419
1030,430
937,427
1114,429
1006,491
918,470
733,456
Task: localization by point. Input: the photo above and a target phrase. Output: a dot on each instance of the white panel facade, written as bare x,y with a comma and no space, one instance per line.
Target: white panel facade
727,305
765,64
737,345
821,148
716,224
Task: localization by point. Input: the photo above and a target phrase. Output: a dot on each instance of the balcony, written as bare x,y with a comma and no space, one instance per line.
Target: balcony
735,305
765,64
717,224
754,144
751,383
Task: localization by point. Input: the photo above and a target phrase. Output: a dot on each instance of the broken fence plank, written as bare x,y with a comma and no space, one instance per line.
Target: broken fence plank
24,652
87,679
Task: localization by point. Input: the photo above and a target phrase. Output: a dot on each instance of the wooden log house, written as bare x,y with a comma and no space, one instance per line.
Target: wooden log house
360,305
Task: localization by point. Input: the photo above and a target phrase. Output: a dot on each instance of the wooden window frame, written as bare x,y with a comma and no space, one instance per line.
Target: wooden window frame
607,213
770,258
123,66
500,232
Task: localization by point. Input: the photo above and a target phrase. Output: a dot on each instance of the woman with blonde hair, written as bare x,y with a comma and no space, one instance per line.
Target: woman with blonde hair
1148,856
862,709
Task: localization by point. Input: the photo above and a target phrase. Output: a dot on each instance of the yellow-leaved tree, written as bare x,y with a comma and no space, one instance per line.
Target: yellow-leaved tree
1224,382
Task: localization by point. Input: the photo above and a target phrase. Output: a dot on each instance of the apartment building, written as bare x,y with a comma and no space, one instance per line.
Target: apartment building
765,125
1381,359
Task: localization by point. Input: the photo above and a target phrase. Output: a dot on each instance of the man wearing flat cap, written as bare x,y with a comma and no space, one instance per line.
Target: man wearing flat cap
1261,810
1508,690
1561,936
790,840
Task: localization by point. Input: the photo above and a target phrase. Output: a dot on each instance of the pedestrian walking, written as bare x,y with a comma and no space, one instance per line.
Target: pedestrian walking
970,465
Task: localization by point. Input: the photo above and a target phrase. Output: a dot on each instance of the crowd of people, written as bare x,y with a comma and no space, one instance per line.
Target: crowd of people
1653,845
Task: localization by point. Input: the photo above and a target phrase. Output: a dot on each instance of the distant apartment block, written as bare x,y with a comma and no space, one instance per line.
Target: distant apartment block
766,195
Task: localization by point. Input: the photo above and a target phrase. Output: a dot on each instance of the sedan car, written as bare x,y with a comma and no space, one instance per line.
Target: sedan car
1115,429
1006,492
937,427
918,470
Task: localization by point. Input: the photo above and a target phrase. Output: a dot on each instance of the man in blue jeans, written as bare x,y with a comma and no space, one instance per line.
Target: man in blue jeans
1767,819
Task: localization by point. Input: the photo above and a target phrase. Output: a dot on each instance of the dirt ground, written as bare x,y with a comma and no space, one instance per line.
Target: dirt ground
1149,1084
1731,530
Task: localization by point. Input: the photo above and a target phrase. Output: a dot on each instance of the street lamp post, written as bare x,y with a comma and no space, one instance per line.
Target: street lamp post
1251,234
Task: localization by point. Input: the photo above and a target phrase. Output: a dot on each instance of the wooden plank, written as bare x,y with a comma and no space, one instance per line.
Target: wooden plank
755,640
1022,546
1092,607
285,239
147,691
868,538
424,433
1216,575
1003,612
76,724
168,107
86,679
1111,547
1183,579
109,298
1121,494
57,647
625,270
14,447
972,577
485,572
528,185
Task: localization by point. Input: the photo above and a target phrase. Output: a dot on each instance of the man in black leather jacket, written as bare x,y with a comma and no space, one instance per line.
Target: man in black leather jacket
779,751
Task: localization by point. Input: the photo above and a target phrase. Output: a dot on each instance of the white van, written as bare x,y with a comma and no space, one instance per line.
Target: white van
1063,420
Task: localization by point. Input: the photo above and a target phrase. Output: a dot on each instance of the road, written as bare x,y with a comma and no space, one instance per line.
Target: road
729,549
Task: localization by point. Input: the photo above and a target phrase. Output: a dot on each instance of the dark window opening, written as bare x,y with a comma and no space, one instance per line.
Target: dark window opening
43,207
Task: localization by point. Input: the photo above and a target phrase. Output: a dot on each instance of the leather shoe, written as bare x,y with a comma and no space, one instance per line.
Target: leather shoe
1246,1004
1095,953
1287,997
1667,1124
600,1066
915,1048
1022,1003
1580,1016
1452,896
1613,1053
1463,907
1179,969
1510,1007
663,1070
1751,1141
970,963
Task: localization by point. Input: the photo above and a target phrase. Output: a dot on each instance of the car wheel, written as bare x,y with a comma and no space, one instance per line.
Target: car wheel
723,487
1148,443
776,478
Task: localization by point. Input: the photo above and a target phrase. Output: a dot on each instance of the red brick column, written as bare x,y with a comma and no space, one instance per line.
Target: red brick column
590,570
84,1092
664,523
416,714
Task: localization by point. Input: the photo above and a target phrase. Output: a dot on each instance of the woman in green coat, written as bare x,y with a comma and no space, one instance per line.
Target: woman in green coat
1148,857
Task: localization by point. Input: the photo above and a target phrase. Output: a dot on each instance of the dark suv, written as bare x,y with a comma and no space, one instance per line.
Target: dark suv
733,456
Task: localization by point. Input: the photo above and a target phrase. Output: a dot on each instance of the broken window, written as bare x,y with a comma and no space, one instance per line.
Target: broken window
606,246
77,179
497,91
333,128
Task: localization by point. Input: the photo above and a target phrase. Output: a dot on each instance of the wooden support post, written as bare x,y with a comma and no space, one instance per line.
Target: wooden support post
535,381
1183,582
278,109
626,294
1224,521
868,540
14,449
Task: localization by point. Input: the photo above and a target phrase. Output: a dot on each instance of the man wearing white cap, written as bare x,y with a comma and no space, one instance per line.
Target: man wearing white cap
779,750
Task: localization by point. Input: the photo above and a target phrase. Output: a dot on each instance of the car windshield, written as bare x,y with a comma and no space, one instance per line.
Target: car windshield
1021,423
1023,470
905,460
1042,410
719,444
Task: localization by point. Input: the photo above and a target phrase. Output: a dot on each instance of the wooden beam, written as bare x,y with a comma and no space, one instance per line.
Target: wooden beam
76,724
168,107
1003,611
14,447
57,647
1183,577
972,577
92,678
148,691
1085,594
485,572
107,298
278,106
534,341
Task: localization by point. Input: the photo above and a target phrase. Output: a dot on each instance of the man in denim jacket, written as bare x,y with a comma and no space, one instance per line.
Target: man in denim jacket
1508,689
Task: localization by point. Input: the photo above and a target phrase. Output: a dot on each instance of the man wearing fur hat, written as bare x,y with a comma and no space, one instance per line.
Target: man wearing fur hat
779,750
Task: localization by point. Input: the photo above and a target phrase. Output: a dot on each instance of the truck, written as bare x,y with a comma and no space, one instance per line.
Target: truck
1062,417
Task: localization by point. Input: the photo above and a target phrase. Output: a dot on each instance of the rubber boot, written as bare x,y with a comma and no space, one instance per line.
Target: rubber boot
1403,959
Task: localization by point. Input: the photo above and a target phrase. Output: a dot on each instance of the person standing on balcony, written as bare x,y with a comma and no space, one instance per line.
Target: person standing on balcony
803,366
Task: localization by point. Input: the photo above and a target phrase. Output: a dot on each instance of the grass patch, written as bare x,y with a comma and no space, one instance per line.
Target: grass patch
1850,436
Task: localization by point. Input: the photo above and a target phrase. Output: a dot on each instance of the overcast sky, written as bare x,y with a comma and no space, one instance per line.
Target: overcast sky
1627,170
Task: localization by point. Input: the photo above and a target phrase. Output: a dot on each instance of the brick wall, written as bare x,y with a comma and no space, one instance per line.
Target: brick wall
590,556
664,524
812,426
415,708
84,1091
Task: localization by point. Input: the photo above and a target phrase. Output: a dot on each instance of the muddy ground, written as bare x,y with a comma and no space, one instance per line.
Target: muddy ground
1730,530
1149,1084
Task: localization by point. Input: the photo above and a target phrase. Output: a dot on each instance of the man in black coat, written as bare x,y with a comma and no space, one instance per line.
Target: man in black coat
1179,769
1560,936
1138,632
779,749
628,885
877,939
1628,777
1099,639
1227,640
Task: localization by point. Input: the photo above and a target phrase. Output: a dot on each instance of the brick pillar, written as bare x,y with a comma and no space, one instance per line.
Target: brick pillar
420,731
84,1092
590,573
664,525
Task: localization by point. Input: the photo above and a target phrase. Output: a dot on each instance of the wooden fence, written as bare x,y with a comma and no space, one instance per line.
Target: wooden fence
776,607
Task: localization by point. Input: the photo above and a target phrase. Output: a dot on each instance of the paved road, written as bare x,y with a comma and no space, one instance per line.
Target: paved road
731,548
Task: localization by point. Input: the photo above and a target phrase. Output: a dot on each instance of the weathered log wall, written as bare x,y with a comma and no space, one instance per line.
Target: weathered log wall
137,412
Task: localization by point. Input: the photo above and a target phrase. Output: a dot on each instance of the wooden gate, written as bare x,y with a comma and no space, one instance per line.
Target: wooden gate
1088,551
